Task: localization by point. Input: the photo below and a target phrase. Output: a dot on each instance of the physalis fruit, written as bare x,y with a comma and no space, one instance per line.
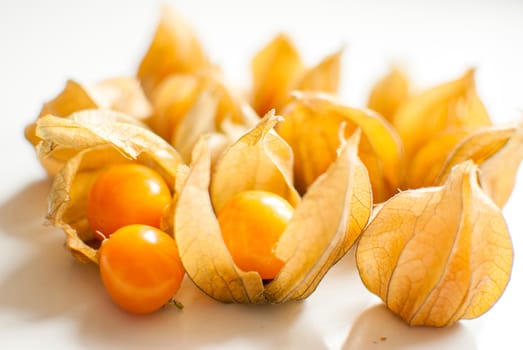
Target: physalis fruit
140,268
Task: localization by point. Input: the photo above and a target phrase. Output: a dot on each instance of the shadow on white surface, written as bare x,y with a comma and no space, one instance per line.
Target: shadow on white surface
47,286
203,324
45,281
22,215
379,328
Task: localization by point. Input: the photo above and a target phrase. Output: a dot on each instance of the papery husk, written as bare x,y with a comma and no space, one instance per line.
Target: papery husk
324,77
389,93
197,233
424,168
492,148
449,105
188,106
200,121
95,139
120,94
171,100
259,160
174,49
197,122
498,151
312,126
275,70
463,277
278,69
62,138
325,224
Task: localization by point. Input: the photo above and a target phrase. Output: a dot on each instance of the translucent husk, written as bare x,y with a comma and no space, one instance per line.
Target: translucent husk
491,147
187,106
94,140
450,105
325,224
446,125
278,69
389,93
175,49
463,277
120,94
312,126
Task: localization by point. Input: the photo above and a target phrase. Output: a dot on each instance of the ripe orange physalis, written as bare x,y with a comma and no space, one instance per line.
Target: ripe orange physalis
140,268
126,194
251,223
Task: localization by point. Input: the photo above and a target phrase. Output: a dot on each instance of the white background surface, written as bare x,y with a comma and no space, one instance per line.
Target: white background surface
48,301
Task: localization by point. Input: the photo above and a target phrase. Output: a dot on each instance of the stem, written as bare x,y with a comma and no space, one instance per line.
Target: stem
175,303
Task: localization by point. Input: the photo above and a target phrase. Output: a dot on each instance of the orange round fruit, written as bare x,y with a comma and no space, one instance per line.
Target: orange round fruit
251,223
140,268
124,195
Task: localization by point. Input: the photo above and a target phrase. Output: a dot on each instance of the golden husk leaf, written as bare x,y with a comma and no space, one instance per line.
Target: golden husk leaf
73,98
122,94
174,49
197,233
187,106
171,100
491,148
119,94
389,93
312,128
62,138
259,160
199,121
449,105
463,277
424,168
324,77
325,224
275,71
278,69
95,139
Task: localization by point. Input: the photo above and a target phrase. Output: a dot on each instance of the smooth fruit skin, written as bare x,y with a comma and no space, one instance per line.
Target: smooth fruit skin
140,268
252,223
124,195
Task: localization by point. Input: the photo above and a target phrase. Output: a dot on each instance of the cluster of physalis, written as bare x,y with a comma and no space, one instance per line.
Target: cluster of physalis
172,172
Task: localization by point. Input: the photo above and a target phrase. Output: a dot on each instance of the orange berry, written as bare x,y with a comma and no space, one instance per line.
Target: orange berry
124,195
140,268
251,223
